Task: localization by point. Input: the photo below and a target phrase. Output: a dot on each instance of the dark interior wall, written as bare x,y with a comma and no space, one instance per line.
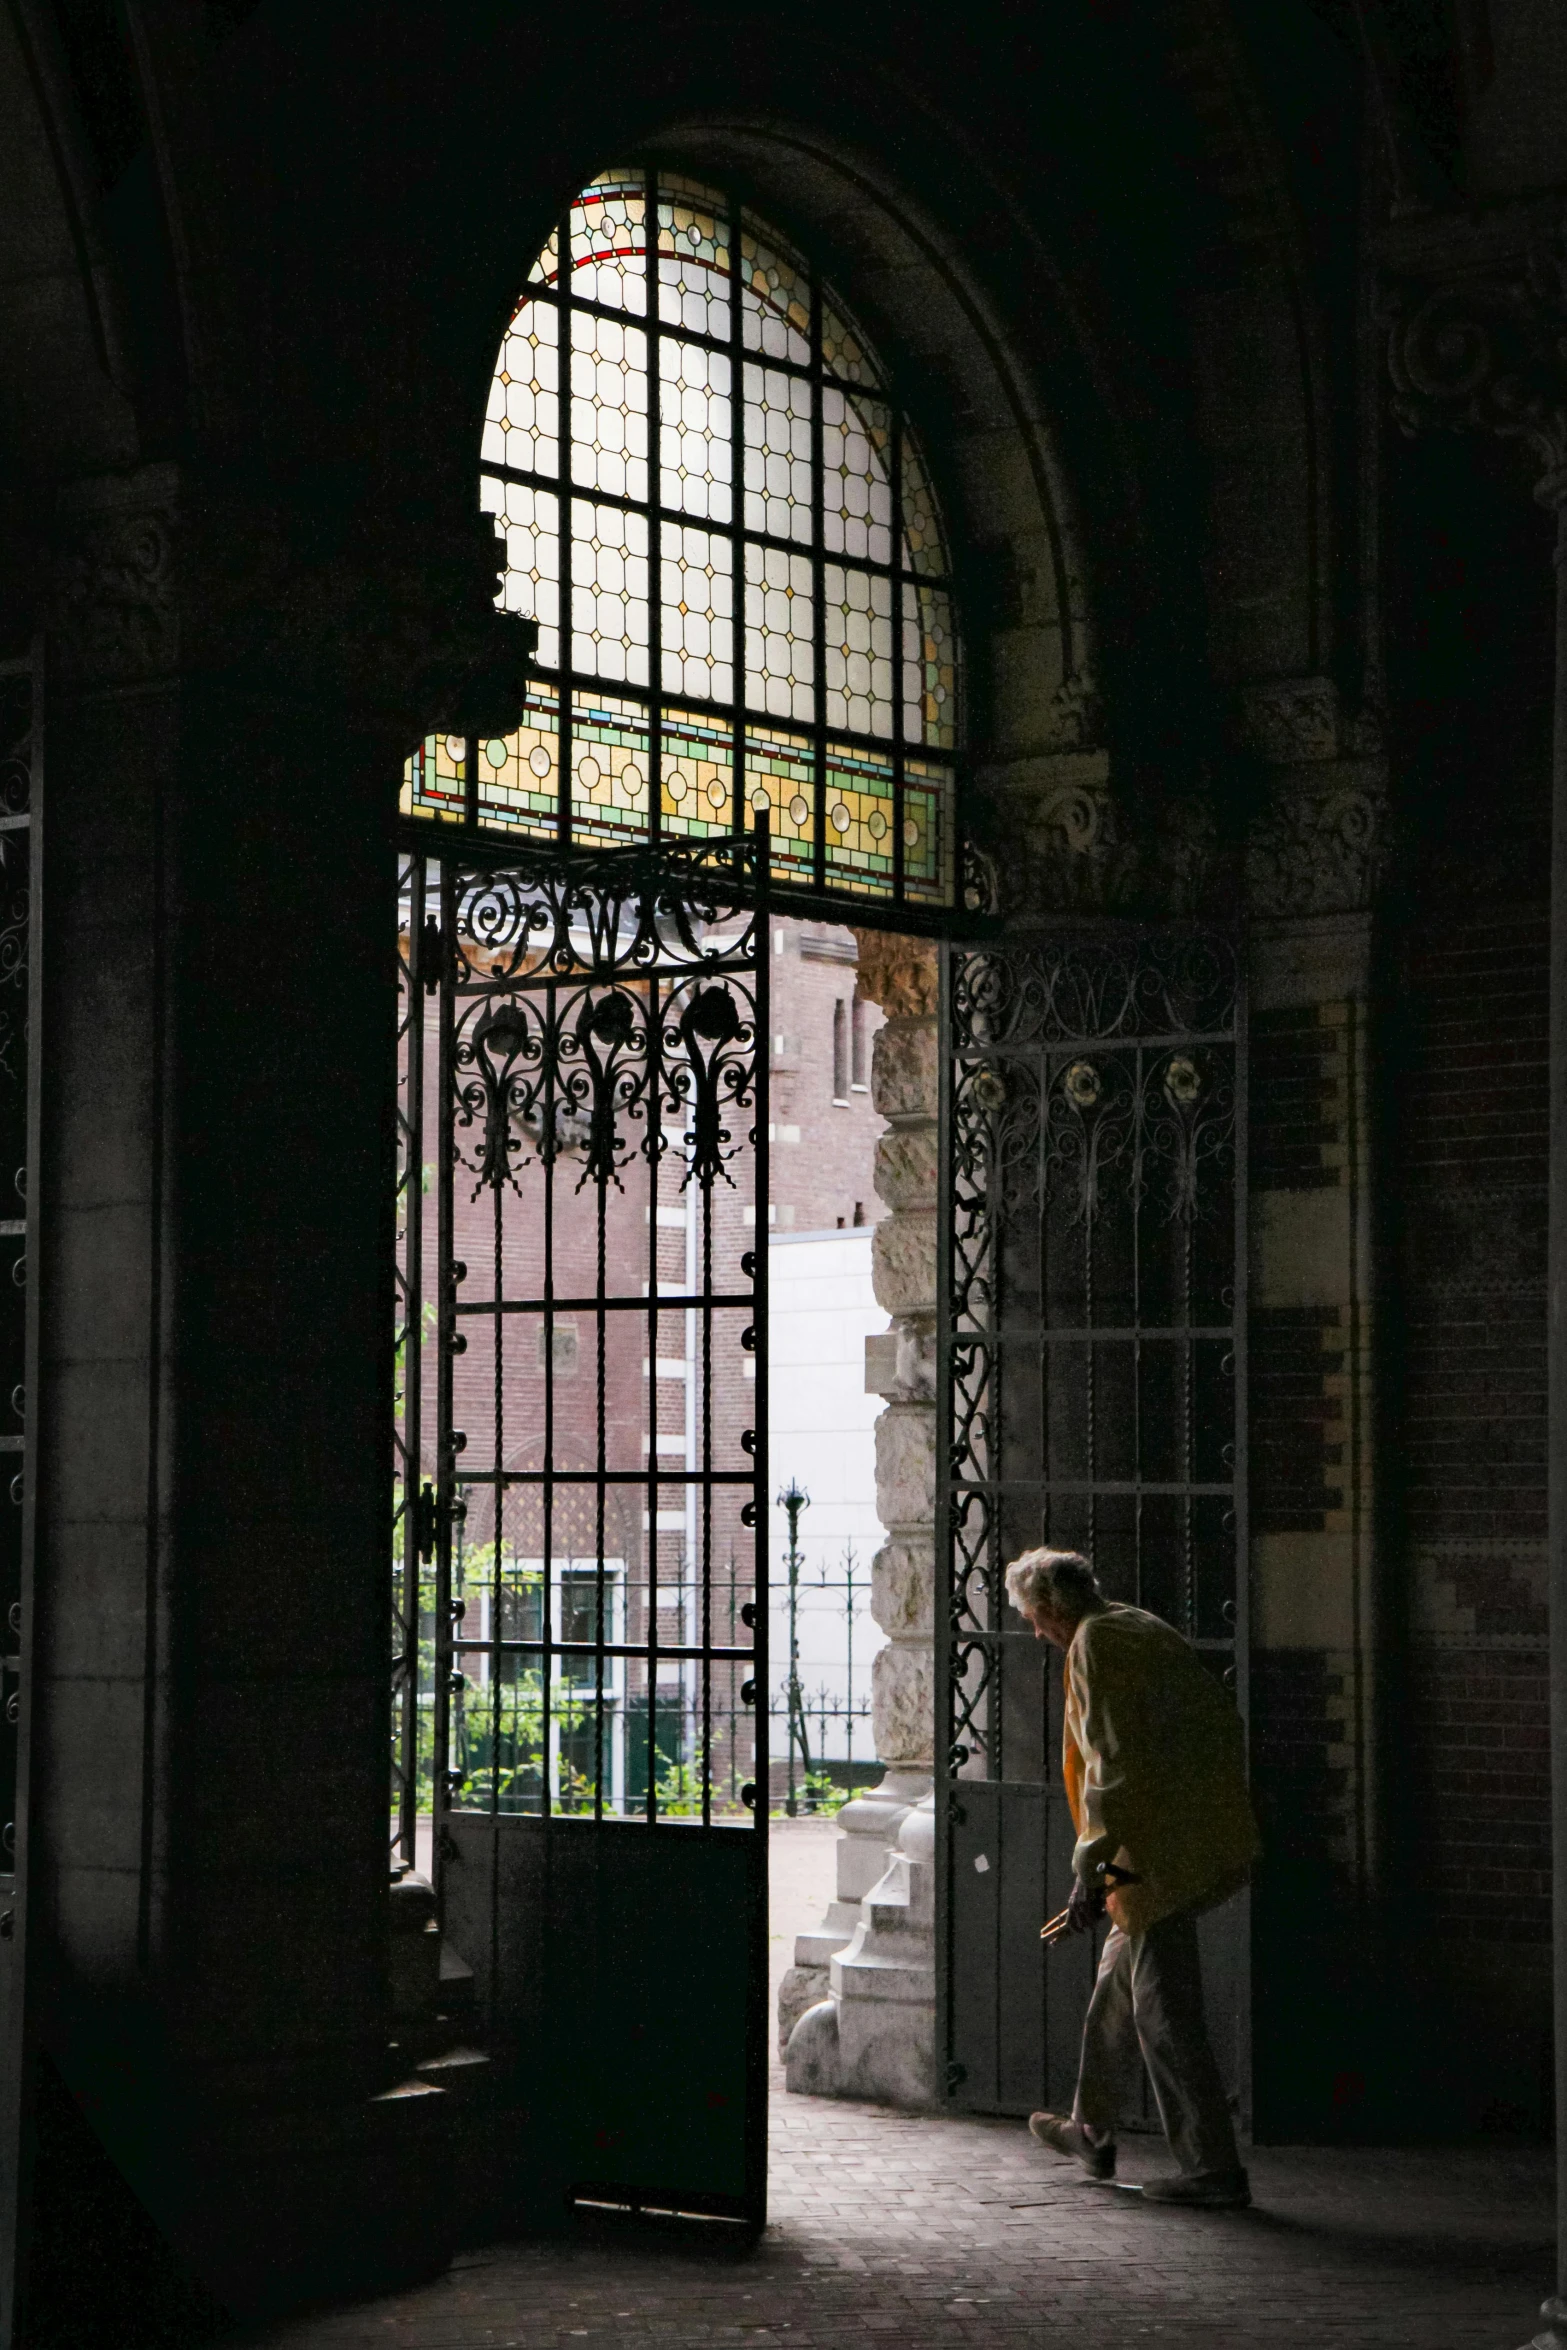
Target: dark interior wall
1464,1036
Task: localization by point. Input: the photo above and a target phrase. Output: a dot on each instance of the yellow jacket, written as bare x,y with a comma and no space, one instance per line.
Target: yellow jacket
1155,1768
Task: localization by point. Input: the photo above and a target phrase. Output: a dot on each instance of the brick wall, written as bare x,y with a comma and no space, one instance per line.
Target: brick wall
824,1127
1472,1178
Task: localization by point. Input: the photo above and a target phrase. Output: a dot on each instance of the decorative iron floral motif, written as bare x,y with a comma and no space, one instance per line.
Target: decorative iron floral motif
1092,1169
589,990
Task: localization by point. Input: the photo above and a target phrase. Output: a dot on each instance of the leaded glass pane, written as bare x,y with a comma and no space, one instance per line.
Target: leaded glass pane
609,615
779,628
858,649
610,769
693,263
609,242
784,767
778,468
695,452
698,766
608,406
722,492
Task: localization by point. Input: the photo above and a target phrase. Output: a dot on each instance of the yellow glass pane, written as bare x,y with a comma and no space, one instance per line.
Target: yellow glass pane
519,773
780,769
928,795
609,782
434,779
698,774
859,819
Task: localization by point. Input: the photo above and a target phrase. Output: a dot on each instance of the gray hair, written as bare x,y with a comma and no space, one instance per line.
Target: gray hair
1060,1581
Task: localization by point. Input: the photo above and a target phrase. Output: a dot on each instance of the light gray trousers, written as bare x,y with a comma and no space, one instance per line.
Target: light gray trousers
1148,1999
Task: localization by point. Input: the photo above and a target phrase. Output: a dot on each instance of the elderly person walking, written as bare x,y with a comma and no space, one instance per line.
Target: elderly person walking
1155,1774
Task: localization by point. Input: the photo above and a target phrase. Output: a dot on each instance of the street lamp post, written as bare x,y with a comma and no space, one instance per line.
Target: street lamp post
792,1500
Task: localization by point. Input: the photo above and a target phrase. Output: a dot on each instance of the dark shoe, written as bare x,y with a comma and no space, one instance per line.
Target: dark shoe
1062,2135
1200,2190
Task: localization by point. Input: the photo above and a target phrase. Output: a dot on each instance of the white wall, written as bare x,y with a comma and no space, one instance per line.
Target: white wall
821,1428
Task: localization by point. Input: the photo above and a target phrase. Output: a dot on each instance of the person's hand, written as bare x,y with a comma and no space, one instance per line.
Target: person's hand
1085,1908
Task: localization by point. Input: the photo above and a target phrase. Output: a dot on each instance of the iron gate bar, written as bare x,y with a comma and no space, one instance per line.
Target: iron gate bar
1052,1027
532,945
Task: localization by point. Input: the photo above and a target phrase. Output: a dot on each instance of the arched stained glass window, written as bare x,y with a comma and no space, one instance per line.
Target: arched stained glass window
730,543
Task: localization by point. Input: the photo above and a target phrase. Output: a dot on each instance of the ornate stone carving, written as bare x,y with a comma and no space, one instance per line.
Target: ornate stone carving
383,612
898,973
1318,851
113,609
1476,316
1486,350
1291,719
1076,717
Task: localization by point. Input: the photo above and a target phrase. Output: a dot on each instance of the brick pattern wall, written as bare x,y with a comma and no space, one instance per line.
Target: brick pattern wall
1297,1098
1299,1782
1472,1177
1473,1173
1297,1424
1299,1438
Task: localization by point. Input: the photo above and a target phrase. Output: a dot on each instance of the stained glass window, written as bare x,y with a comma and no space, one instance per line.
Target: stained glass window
728,538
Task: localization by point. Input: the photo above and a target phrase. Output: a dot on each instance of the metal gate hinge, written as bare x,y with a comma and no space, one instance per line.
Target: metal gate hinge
432,954
427,1521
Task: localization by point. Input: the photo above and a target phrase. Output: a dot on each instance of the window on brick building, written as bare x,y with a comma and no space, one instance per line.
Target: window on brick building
840,1052
727,535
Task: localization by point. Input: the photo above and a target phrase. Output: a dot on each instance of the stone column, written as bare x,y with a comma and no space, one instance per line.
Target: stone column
227,719
857,2011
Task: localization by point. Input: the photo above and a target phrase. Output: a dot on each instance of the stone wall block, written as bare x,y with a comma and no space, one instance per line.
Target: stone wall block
903,1262
906,1468
903,1583
903,1705
907,1163
905,1069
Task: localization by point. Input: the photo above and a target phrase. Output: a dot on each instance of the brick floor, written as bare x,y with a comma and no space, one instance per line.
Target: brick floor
896,2232
924,2234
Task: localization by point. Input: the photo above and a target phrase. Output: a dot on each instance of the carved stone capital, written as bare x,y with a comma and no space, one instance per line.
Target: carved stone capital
1065,846
1485,348
383,613
1320,846
1076,715
113,603
1288,719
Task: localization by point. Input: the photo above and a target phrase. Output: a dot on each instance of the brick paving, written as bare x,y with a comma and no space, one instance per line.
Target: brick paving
891,2231
924,2234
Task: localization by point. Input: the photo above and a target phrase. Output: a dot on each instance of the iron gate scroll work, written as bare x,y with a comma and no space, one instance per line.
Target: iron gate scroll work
1093,1398
581,1710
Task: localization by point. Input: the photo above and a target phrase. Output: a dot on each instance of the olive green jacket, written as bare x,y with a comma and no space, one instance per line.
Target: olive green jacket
1154,1760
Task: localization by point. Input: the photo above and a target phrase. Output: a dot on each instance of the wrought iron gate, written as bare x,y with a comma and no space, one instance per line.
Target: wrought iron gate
1093,1398
580,1737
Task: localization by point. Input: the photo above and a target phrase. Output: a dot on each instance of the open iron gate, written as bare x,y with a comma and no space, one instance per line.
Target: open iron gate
1092,1385
581,1668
